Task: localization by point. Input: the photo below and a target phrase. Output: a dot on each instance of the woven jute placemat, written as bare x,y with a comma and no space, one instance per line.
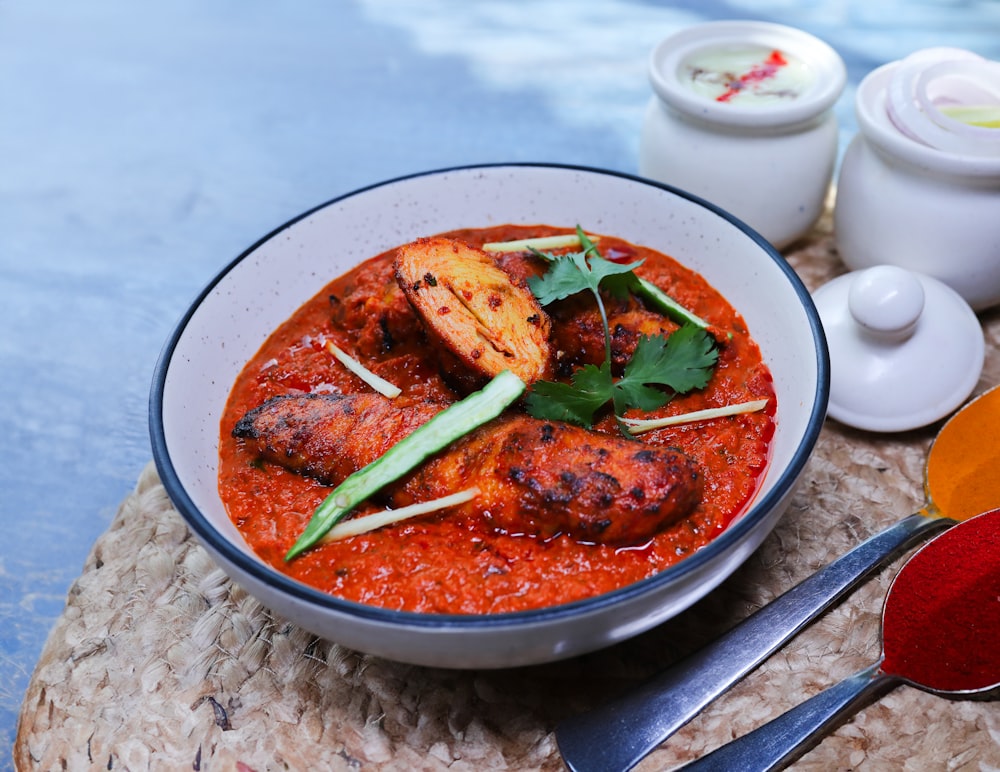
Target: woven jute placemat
160,662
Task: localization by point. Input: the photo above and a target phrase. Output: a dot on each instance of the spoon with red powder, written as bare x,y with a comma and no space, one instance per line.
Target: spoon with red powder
940,626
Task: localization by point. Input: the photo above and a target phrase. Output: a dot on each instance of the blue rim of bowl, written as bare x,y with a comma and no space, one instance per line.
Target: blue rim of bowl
283,583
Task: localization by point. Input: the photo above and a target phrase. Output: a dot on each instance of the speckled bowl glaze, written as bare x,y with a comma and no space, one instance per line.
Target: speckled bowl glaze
241,306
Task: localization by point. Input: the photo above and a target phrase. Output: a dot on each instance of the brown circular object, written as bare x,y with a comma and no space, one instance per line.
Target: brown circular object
478,312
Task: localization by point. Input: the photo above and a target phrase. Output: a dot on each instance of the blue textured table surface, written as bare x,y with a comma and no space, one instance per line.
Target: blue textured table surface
142,147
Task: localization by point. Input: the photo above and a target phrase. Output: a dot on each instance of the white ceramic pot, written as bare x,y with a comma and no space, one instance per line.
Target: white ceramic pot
904,203
729,125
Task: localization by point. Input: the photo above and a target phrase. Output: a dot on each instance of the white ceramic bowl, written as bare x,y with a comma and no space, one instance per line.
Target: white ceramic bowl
255,293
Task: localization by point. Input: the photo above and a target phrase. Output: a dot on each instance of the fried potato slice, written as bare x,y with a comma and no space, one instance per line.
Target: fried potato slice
488,320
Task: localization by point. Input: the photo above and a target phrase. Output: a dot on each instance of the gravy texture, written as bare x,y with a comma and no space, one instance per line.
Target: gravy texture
466,561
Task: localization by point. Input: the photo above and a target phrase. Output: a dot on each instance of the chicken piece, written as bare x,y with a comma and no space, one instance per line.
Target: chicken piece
376,314
578,337
536,477
474,309
330,436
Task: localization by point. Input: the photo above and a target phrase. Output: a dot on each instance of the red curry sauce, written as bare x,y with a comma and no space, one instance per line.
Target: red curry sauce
440,563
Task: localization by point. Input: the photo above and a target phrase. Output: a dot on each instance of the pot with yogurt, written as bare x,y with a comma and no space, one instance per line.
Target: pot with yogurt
742,116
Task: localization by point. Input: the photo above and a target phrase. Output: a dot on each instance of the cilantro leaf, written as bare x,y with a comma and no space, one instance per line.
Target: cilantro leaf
631,393
570,274
659,367
680,363
617,278
564,278
691,353
591,389
620,285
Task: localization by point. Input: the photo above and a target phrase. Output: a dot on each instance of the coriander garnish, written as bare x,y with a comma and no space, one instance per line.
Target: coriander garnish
659,368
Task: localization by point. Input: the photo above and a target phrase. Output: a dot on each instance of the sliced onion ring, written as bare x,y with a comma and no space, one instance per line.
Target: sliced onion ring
913,113
979,81
901,102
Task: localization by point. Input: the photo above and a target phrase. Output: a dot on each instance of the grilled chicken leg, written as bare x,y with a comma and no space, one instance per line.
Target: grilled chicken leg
536,477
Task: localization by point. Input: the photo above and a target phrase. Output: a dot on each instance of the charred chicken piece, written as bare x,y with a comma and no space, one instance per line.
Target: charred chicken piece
577,337
376,314
579,333
488,320
536,477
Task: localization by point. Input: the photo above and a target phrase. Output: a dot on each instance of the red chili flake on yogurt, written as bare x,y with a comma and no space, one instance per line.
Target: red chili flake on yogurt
749,75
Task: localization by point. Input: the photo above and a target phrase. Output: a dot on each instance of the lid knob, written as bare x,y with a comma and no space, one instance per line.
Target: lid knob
886,301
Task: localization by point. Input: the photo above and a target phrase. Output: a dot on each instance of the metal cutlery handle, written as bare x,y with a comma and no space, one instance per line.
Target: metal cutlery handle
618,735
782,740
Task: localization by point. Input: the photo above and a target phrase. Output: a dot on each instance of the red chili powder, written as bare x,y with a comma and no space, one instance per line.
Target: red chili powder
942,616
759,72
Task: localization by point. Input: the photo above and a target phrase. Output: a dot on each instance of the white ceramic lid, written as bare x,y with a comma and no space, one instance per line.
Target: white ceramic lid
905,349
